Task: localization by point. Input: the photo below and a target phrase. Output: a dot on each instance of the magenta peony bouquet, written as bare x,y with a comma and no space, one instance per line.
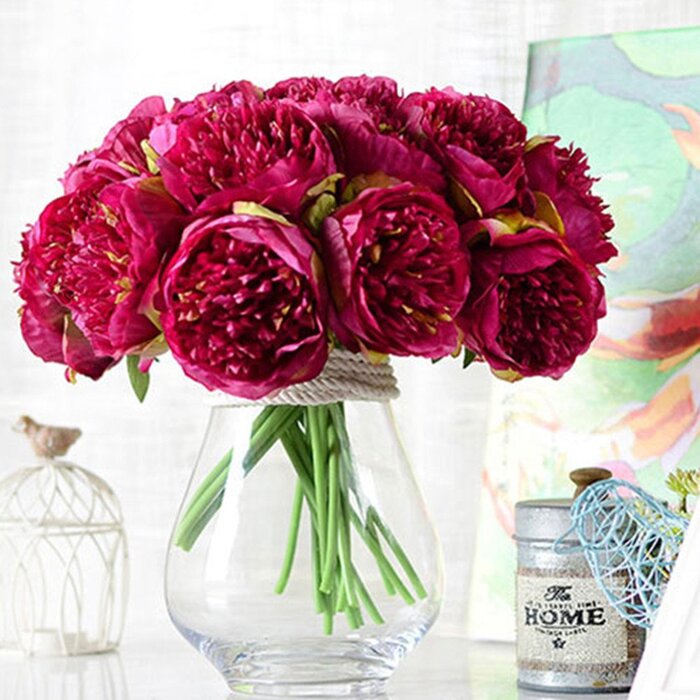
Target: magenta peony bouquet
250,232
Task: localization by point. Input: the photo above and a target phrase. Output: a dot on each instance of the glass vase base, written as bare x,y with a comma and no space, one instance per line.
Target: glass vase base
305,669
353,689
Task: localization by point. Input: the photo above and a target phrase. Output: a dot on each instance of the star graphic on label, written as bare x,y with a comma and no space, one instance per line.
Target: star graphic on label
559,643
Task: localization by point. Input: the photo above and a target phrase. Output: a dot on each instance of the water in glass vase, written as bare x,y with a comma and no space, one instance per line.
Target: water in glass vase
303,561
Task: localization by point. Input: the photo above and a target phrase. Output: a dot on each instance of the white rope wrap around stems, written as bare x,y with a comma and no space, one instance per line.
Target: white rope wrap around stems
347,376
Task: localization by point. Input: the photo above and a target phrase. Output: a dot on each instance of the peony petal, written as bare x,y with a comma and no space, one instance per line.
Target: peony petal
79,355
562,176
483,182
148,107
367,151
43,335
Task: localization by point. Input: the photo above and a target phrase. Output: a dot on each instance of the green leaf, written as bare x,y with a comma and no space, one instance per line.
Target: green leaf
468,358
363,182
139,380
464,200
319,210
325,186
255,209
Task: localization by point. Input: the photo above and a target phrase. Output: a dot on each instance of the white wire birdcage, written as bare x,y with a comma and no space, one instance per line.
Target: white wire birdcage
63,561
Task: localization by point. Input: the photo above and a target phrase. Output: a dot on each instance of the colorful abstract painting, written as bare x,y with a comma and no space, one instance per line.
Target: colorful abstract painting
632,102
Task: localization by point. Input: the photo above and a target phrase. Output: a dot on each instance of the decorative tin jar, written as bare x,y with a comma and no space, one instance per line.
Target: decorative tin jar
569,638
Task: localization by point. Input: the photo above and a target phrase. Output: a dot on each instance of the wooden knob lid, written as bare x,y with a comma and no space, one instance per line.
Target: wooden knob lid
586,476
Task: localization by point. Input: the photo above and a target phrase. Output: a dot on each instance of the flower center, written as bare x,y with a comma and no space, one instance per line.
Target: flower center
97,274
542,320
85,257
237,305
407,265
478,125
375,96
231,146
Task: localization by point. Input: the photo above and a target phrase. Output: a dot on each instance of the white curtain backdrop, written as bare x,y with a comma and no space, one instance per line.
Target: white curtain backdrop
70,68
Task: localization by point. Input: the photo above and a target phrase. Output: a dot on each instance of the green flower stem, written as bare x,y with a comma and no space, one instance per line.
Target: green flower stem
382,561
316,441
355,614
292,447
388,585
209,492
386,570
262,417
337,415
366,599
399,553
345,554
328,614
222,466
316,566
189,537
267,428
368,532
343,584
268,432
316,421
291,539
295,433
341,599
331,555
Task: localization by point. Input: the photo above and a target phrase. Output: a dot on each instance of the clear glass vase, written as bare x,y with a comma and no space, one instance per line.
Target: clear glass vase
303,561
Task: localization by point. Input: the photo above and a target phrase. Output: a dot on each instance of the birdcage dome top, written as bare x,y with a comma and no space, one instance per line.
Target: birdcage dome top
57,495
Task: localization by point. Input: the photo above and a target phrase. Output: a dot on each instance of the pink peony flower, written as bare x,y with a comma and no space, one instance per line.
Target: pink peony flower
397,271
562,175
231,94
534,304
358,116
164,133
362,149
477,139
376,96
268,147
120,156
94,252
48,329
244,306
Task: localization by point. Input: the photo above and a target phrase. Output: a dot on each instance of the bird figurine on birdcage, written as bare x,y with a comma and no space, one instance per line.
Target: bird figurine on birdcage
63,553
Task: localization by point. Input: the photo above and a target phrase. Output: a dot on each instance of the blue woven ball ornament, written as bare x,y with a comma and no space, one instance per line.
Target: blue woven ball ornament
631,542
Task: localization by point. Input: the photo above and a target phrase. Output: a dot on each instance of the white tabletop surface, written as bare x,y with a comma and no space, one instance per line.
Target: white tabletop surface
440,669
